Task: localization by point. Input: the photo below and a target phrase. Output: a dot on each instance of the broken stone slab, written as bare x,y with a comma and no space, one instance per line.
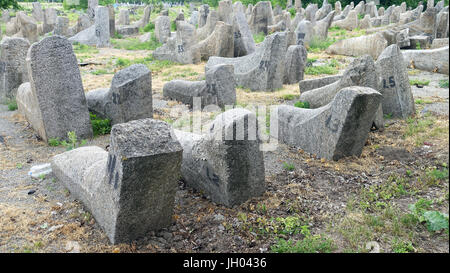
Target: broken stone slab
398,100
129,190
336,130
124,17
145,19
86,37
54,102
401,38
162,28
323,11
219,43
181,47
441,27
310,13
129,98
433,60
218,88
261,17
225,11
310,84
127,31
280,26
441,42
262,70
372,44
365,22
349,23
321,27
361,72
226,163
295,64
13,69
83,23
244,43
208,28
419,42
27,26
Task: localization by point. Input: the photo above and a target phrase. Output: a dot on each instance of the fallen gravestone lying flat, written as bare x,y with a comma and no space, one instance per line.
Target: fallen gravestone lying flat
226,163
306,85
433,60
129,190
336,130
372,44
263,69
218,88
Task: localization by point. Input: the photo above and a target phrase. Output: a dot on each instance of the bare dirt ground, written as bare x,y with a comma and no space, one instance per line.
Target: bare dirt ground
310,204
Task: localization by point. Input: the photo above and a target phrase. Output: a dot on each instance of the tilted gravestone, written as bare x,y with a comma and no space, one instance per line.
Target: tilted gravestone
145,19
27,27
349,23
218,88
129,190
244,43
394,84
336,130
372,44
54,102
219,43
310,84
128,98
262,70
261,17
361,72
13,70
225,163
208,28
295,64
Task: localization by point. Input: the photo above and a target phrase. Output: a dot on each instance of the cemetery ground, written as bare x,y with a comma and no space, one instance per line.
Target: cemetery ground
393,194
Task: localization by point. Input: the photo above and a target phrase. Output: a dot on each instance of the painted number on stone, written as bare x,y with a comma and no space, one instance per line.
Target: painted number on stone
180,48
263,65
332,124
390,83
116,98
237,35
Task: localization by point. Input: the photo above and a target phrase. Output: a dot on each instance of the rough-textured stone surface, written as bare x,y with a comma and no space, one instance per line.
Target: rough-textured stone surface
394,84
102,26
437,43
162,28
92,9
225,11
112,21
208,28
295,64
203,15
28,27
441,27
321,27
365,22
49,20
83,23
349,23
244,43
181,48
193,20
226,163
130,190
433,60
218,88
59,103
262,70
38,13
261,17
304,32
419,41
336,130
372,44
306,85
86,37
127,30
310,12
219,43
124,17
323,11
145,19
129,98
61,26
13,71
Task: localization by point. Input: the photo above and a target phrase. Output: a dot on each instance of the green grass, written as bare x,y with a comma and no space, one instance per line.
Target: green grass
100,126
12,105
100,72
153,64
443,83
288,166
321,70
309,244
259,37
317,44
84,49
419,82
135,44
149,27
302,104
289,97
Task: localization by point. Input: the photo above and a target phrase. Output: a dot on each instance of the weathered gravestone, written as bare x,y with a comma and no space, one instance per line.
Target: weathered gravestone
309,84
129,190
102,26
244,43
193,20
54,101
218,88
433,60
145,19
295,64
128,98
219,43
208,28
394,84
336,130
28,27
49,20
92,9
261,17
61,26
112,21
349,23
13,71
38,13
361,72
226,163
162,28
124,17
261,70
225,11
203,15
372,44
